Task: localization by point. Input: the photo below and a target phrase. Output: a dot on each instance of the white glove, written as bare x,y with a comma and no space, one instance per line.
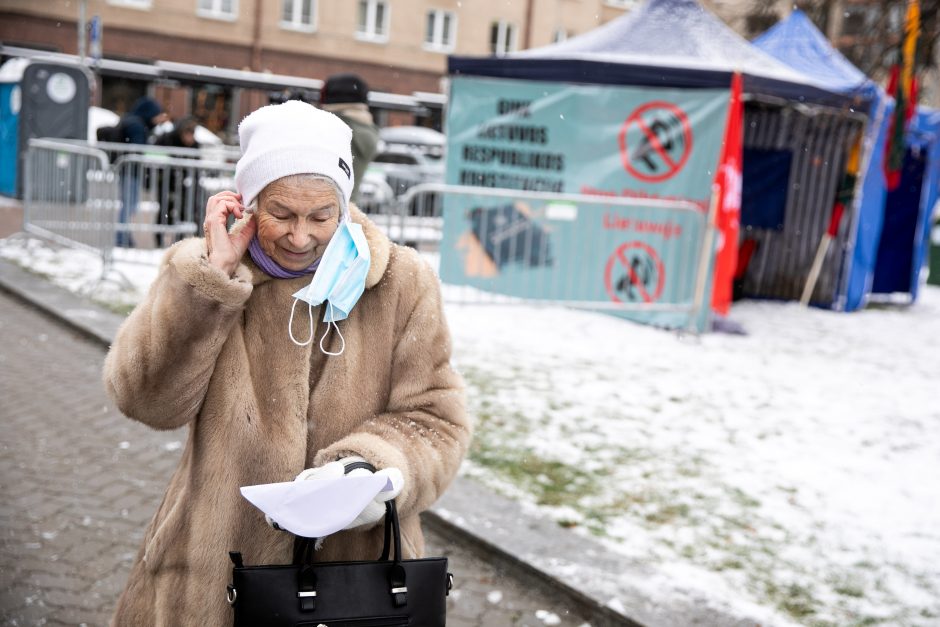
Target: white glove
375,510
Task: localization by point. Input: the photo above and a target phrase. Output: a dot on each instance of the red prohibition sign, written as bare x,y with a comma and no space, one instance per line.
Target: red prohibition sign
660,116
636,281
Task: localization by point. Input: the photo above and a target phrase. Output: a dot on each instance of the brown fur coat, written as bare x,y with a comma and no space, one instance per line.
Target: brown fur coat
213,353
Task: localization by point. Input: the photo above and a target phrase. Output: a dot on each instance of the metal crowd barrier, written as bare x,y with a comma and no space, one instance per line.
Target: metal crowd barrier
69,195
492,232
490,245
109,195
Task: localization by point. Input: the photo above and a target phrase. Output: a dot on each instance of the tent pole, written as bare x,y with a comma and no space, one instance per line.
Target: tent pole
810,284
704,260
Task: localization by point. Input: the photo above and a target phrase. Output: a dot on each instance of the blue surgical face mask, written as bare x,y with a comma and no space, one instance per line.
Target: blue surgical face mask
339,281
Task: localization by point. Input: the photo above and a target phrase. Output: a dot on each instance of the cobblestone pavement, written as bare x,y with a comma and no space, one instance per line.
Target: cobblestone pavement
78,483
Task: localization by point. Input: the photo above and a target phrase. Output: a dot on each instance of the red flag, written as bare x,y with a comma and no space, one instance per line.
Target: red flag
727,186
902,85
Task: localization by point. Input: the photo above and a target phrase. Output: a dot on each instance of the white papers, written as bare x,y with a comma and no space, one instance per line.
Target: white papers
317,507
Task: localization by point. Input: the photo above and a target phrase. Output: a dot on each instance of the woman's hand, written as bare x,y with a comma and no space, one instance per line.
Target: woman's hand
226,249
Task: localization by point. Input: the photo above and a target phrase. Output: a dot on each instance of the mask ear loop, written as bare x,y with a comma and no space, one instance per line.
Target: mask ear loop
290,324
335,326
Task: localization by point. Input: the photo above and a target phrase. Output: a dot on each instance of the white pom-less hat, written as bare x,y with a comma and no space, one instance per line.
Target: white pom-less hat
292,138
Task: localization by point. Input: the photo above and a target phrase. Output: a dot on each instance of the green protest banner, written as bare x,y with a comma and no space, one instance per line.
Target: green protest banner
610,141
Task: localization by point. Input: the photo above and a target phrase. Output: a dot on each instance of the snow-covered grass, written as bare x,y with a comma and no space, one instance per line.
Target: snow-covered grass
799,464
81,271
790,474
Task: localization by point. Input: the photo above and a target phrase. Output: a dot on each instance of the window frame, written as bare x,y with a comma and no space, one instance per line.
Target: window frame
140,5
371,9
296,23
438,45
507,34
564,33
215,13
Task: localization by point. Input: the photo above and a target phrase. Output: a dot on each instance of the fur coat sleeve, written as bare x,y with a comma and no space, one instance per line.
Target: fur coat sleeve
179,328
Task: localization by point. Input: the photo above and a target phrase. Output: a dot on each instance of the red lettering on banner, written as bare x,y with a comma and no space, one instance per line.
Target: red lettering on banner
616,223
667,230
587,190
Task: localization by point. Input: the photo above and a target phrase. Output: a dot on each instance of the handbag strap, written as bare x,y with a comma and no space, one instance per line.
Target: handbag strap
396,575
304,547
387,543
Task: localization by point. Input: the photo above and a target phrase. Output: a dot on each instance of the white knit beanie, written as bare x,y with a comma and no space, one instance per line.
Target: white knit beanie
292,138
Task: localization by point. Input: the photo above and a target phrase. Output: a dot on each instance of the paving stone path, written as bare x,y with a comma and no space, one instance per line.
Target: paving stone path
78,483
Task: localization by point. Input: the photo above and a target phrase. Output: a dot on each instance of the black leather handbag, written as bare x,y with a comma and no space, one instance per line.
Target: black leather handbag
384,593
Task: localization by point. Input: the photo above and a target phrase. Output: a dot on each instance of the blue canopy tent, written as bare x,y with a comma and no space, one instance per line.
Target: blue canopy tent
797,130
870,265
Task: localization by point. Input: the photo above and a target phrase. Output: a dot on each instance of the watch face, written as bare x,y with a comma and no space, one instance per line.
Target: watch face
61,88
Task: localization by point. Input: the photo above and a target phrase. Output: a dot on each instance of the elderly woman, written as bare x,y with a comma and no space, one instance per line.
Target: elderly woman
230,342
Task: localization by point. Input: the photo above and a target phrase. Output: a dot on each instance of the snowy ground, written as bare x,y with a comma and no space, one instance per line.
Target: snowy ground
790,475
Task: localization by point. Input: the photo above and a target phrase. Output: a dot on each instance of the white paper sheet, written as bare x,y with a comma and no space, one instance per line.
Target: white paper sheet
318,507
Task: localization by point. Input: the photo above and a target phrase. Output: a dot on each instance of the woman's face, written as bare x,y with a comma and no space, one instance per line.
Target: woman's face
297,216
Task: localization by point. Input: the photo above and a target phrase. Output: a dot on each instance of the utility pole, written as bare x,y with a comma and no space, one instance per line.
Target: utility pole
82,30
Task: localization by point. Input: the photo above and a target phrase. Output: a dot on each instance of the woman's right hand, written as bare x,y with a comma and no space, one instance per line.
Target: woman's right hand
226,249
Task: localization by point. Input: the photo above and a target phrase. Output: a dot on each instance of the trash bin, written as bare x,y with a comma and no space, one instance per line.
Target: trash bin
52,98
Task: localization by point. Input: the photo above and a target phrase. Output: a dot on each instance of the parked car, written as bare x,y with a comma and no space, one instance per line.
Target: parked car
428,142
399,169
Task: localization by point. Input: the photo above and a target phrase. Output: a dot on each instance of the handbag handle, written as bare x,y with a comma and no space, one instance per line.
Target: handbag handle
398,588
304,547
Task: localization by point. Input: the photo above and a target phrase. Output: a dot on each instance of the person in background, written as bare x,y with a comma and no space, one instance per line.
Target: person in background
347,96
179,190
135,128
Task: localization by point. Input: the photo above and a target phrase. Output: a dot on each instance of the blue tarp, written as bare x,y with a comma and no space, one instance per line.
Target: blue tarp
664,43
764,185
797,42
895,267
861,269
924,134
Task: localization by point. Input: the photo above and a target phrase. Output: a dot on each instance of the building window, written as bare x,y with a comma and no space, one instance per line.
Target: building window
502,38
561,35
299,15
218,9
132,4
441,33
373,20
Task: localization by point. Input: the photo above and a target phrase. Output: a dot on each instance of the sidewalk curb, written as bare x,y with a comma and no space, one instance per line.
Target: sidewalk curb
446,517
87,318
533,549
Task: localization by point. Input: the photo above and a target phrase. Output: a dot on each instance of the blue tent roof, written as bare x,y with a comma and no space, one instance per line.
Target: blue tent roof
663,43
798,43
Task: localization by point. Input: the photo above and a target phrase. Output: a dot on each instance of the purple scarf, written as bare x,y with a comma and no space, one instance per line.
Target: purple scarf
271,267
